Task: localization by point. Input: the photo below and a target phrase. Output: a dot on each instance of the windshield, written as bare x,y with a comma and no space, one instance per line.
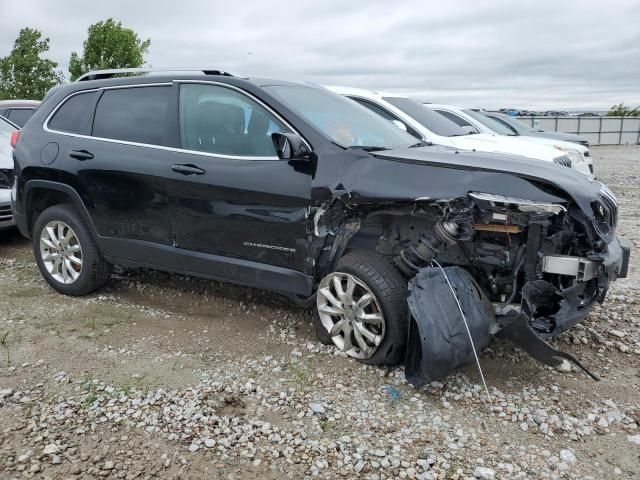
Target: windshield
344,121
429,119
515,123
490,123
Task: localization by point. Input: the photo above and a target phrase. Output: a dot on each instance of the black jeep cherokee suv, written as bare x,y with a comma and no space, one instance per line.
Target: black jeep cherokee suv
291,188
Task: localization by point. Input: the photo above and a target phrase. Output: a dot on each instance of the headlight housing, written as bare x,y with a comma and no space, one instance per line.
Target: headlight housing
521,204
572,153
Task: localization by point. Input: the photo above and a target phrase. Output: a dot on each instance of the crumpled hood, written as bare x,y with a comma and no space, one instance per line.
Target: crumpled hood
576,185
485,142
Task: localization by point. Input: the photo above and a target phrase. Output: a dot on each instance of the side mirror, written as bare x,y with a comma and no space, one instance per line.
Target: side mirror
290,146
400,125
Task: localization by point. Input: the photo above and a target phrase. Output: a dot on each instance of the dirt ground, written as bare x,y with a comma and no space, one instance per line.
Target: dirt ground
166,376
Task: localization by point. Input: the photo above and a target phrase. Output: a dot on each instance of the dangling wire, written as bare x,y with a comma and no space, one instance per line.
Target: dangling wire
466,324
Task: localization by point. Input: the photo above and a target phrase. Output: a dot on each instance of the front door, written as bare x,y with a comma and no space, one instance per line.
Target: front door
231,195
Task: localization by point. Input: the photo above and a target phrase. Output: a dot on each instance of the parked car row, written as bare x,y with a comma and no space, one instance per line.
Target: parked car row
516,112
413,238
468,130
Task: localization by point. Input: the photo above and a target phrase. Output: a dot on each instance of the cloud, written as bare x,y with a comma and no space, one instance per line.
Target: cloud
531,54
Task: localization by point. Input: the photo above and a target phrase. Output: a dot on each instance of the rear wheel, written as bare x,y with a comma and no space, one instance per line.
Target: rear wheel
361,309
66,254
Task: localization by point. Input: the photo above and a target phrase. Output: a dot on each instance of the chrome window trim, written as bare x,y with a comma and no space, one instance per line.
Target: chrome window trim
45,125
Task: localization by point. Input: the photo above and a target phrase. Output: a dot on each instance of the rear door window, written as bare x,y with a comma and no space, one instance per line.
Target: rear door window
74,115
19,116
134,114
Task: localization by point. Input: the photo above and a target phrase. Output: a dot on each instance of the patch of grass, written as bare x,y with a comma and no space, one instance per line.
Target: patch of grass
126,390
91,396
325,425
32,292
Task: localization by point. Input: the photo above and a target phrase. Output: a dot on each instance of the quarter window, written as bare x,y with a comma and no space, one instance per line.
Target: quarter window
223,121
74,115
135,114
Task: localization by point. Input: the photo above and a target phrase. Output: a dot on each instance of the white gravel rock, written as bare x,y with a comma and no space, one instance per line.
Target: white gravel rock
50,449
317,408
485,473
567,456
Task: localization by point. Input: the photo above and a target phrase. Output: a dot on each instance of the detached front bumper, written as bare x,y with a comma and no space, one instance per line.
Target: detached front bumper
553,310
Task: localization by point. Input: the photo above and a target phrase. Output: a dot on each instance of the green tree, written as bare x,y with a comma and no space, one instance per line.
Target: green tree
621,110
109,45
23,73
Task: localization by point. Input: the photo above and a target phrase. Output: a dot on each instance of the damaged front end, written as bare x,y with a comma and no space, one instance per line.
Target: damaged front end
481,265
542,266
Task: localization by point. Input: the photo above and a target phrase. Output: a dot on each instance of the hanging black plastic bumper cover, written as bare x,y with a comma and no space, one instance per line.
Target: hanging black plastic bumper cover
438,338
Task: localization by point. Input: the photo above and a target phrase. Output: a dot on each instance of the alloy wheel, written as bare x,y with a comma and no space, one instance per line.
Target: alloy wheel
61,252
350,312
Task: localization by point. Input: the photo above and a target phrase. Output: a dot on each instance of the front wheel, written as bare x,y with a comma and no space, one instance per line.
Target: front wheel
361,309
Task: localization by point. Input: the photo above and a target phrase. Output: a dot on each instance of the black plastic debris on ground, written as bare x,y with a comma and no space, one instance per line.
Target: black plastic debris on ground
438,338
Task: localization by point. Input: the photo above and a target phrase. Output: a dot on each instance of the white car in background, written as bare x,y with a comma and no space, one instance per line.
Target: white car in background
6,173
430,126
467,118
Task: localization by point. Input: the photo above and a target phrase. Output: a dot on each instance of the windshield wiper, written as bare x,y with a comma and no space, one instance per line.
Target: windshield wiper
368,148
421,144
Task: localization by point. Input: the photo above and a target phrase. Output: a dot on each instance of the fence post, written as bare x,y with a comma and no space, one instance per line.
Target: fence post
579,118
600,131
621,128
556,127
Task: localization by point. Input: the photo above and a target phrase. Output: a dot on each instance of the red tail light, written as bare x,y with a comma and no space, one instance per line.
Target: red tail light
15,136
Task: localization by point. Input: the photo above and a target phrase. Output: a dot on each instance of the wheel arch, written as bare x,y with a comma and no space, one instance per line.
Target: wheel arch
42,194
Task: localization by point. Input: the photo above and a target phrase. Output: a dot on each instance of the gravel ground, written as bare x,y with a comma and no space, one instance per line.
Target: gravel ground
164,376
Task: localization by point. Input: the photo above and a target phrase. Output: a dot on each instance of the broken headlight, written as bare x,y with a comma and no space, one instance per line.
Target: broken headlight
605,212
521,204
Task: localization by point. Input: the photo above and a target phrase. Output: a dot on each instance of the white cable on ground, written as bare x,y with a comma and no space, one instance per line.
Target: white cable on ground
464,319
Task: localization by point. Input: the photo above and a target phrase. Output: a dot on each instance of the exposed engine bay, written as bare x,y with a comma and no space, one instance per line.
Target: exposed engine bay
521,269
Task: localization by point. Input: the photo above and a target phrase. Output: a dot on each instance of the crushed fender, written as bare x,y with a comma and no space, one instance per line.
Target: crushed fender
438,339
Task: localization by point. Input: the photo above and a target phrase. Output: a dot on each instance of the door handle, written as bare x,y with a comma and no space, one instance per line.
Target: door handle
188,169
81,155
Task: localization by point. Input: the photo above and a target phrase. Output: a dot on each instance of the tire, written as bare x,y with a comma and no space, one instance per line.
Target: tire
93,271
389,288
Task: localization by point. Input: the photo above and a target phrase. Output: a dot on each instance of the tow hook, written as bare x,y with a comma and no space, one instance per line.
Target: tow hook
519,331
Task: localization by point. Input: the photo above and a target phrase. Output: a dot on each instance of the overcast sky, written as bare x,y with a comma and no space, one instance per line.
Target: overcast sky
530,54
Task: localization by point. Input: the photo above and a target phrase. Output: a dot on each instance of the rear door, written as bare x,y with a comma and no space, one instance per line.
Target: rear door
122,167
233,196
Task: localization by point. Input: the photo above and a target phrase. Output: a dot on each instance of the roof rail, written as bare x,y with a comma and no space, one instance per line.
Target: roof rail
102,74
